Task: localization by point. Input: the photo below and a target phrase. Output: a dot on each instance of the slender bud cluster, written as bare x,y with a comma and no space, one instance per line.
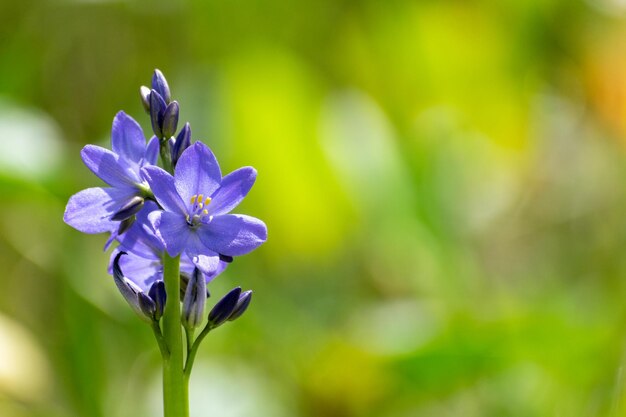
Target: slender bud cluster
159,105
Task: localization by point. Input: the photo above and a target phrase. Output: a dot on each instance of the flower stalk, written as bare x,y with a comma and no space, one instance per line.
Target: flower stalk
160,340
193,350
175,391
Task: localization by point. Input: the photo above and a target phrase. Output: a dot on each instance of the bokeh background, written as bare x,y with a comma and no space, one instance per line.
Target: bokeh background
444,184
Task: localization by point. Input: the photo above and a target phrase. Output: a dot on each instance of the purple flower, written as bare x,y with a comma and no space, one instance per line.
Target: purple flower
100,209
143,263
197,201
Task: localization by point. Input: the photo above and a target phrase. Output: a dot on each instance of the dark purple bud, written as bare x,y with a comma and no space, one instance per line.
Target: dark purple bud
129,209
224,307
157,109
242,305
144,93
147,305
183,141
159,83
157,294
170,119
194,301
125,224
226,258
129,291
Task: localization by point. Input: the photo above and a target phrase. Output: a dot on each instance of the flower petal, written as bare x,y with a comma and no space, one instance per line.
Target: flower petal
186,266
109,167
90,210
173,230
152,151
162,186
127,288
221,266
142,272
233,234
197,172
209,263
234,188
127,139
140,239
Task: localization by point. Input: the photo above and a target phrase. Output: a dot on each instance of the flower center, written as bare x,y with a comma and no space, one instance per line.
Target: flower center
144,190
198,210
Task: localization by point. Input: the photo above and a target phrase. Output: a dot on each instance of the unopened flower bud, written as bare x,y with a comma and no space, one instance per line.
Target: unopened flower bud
224,307
242,305
128,290
194,301
184,281
144,93
157,109
147,305
125,225
159,83
129,209
170,119
183,141
158,295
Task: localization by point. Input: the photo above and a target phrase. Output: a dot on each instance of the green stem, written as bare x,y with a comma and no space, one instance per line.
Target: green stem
191,355
160,340
166,156
189,334
175,393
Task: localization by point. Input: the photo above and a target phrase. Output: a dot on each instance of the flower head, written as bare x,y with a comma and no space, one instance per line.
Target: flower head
197,201
143,264
101,209
155,215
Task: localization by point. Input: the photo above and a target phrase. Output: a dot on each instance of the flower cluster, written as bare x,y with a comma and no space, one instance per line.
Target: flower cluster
181,208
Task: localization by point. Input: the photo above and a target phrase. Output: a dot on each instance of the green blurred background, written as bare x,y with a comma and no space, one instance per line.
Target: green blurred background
444,184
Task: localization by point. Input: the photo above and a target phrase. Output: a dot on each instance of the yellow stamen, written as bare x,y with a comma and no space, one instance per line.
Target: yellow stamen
205,211
200,197
200,205
193,199
207,201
